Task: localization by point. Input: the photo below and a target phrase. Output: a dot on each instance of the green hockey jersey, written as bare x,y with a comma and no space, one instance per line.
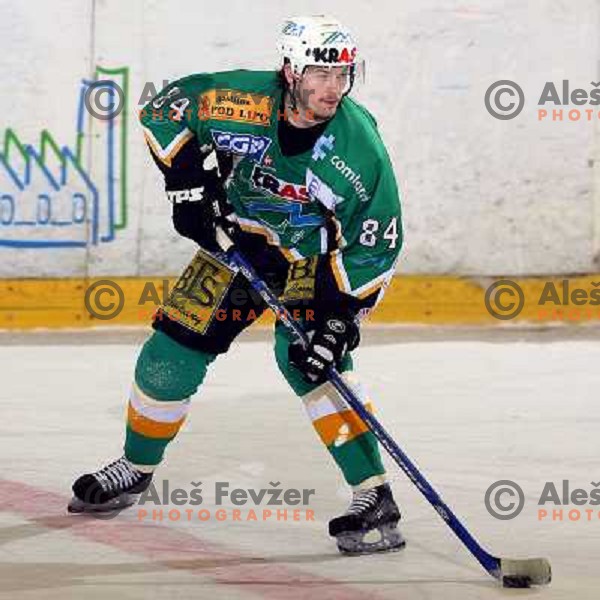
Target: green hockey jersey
346,177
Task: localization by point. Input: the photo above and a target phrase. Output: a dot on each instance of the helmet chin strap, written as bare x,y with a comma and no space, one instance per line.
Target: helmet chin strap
352,69
293,102
292,92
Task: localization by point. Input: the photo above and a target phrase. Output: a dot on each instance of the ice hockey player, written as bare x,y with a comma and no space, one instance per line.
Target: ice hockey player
306,190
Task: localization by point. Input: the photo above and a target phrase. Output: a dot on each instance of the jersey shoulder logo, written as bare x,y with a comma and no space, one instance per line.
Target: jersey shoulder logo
235,105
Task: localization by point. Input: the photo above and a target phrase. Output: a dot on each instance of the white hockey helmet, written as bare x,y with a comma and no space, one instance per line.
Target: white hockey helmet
319,40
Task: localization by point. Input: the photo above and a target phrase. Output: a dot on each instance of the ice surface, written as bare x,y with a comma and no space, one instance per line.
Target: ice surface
468,413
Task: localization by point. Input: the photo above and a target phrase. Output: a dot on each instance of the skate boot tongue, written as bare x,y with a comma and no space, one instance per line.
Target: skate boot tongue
118,475
362,501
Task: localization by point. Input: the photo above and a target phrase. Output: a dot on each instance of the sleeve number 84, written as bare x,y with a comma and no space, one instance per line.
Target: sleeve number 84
370,227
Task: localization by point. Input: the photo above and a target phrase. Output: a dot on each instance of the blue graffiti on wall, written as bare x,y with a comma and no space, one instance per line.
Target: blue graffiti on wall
51,196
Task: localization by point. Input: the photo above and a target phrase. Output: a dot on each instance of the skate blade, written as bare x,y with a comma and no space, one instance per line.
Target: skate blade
352,543
77,506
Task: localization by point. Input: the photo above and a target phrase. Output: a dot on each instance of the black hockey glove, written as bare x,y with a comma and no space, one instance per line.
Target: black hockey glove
197,212
329,342
199,200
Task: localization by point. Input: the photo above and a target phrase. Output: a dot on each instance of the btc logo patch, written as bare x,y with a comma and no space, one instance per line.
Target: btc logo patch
199,292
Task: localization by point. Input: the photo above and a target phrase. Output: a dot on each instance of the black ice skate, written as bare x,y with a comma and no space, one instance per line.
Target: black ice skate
114,487
372,512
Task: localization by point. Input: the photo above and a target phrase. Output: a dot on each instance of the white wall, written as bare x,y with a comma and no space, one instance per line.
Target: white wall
483,196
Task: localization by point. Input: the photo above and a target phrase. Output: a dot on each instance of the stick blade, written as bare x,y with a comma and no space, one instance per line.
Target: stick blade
524,572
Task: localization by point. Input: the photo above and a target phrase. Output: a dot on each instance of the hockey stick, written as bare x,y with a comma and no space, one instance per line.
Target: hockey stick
511,572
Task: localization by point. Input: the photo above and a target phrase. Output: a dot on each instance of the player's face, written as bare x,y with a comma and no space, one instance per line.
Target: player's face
320,90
